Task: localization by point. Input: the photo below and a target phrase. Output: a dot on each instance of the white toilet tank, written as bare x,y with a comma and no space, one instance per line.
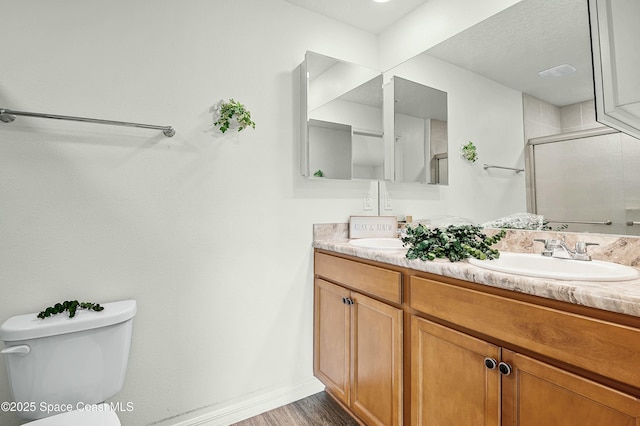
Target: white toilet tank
57,362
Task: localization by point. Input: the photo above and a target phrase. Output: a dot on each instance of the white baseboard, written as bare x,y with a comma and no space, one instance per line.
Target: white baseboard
253,406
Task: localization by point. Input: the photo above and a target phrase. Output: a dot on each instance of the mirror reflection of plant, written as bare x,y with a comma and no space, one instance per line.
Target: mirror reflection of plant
319,173
547,227
233,109
544,227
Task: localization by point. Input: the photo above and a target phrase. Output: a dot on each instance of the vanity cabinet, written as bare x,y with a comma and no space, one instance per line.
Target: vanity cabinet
536,393
450,384
358,338
470,354
461,379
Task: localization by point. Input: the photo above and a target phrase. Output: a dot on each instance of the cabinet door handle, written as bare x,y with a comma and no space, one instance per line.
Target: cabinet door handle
505,369
490,363
347,301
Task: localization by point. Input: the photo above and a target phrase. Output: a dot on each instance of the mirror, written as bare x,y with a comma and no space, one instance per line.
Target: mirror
575,175
615,32
513,46
418,116
344,134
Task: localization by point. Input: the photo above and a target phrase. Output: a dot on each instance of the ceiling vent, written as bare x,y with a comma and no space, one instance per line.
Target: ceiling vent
559,71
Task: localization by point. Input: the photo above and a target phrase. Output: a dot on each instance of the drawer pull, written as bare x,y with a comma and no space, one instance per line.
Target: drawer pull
490,363
505,369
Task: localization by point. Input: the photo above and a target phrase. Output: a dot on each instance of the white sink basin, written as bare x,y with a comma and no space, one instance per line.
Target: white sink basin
378,243
536,265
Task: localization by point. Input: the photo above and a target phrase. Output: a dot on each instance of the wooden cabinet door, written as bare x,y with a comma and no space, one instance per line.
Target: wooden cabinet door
535,394
450,384
332,323
376,390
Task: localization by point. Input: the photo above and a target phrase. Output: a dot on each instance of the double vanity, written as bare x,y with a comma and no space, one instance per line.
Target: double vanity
400,341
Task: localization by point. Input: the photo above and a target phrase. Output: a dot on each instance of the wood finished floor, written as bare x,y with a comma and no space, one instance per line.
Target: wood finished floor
316,410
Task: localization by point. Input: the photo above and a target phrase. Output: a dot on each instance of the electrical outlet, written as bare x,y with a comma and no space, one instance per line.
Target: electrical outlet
387,201
368,202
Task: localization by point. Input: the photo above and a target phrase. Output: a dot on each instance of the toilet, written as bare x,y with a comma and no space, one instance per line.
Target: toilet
62,370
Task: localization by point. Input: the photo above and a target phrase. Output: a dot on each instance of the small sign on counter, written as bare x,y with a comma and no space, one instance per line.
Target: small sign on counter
373,227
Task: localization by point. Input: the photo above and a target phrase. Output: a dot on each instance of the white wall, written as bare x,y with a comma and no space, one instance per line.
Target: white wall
211,234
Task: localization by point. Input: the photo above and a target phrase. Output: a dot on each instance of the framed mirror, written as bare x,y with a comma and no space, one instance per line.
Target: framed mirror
614,35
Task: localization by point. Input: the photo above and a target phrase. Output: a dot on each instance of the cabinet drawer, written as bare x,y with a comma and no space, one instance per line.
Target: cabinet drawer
605,348
369,279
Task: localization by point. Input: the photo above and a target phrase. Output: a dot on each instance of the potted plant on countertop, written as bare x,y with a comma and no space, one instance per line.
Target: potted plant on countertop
455,242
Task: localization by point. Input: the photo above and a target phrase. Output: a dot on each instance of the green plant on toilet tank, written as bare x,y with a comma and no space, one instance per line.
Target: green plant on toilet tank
455,242
69,305
231,113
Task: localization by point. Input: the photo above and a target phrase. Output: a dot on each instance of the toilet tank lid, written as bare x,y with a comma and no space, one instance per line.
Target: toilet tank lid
29,326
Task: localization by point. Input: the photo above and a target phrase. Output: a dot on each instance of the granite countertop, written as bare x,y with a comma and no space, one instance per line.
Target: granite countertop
617,296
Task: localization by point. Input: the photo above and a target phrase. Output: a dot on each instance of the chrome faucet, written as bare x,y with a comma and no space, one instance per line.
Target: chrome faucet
558,248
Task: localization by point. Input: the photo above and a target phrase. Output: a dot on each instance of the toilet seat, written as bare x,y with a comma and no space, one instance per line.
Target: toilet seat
101,416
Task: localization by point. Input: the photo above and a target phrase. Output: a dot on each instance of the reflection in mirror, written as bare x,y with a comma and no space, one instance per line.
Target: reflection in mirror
532,36
615,34
419,136
565,170
341,120
597,189
344,136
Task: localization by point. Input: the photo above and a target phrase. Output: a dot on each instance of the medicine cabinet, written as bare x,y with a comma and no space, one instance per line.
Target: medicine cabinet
355,126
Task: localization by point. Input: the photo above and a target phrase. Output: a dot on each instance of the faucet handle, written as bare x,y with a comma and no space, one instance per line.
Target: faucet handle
581,250
550,243
542,240
548,246
581,247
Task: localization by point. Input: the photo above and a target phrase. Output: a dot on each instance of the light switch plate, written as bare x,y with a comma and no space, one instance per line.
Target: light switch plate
368,202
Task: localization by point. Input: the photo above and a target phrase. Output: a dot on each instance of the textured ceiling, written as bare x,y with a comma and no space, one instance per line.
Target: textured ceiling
509,48
531,36
366,15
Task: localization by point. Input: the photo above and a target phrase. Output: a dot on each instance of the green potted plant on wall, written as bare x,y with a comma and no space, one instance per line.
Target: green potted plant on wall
469,152
231,114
